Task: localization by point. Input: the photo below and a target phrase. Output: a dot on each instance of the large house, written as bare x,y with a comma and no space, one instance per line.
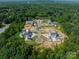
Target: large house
53,35
26,32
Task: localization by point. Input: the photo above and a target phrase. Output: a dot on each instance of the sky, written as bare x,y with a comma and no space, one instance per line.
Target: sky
37,0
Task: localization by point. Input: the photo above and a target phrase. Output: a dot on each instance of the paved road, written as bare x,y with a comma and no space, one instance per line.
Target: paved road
4,28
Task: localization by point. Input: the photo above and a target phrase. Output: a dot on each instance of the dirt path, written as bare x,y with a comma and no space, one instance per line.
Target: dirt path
4,28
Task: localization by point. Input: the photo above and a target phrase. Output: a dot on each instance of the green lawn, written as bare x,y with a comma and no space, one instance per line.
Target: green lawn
17,34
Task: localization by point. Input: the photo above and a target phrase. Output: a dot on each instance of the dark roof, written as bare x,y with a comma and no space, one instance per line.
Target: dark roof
29,22
24,33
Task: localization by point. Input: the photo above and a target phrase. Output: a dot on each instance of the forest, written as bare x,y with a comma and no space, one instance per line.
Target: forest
13,47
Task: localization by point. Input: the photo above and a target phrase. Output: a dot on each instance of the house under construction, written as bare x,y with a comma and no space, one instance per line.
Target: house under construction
41,30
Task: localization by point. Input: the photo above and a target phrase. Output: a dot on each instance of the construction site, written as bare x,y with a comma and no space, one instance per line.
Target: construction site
46,34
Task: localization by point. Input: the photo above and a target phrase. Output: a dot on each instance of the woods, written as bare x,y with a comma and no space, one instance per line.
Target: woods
13,47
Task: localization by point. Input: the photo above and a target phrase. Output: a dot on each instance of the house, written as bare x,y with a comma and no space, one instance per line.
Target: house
53,35
28,25
26,34
29,22
50,23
